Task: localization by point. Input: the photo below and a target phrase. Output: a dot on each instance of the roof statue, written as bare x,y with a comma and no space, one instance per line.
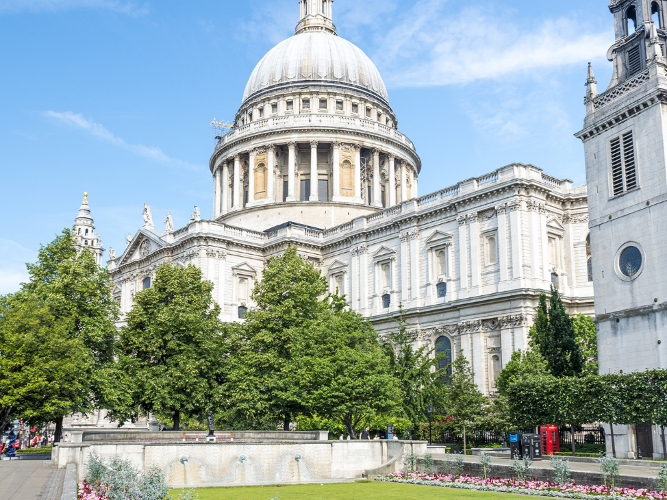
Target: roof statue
148,217
128,240
85,198
169,228
112,253
196,216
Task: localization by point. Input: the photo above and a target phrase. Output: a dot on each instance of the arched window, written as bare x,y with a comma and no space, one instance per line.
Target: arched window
552,251
590,269
491,250
386,301
442,290
242,311
386,275
324,7
443,346
339,284
655,14
495,367
86,232
305,7
441,256
631,20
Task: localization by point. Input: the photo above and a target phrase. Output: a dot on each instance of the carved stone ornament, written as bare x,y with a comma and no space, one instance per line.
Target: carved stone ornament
461,220
490,324
487,214
575,219
514,205
501,209
145,248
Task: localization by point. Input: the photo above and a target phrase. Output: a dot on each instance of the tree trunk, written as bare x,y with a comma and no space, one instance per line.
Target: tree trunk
347,421
59,429
177,420
664,450
574,446
5,418
464,439
613,444
287,421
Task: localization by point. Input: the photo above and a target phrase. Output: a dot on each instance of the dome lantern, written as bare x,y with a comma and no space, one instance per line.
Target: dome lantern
316,15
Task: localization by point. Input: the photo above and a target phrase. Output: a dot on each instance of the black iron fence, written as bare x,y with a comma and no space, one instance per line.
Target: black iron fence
583,434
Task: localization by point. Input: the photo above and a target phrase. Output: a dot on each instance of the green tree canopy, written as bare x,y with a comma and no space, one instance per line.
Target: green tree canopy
416,371
522,366
350,377
553,337
585,334
463,400
172,351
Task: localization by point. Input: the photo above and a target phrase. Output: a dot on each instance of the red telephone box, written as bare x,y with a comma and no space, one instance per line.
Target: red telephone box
550,439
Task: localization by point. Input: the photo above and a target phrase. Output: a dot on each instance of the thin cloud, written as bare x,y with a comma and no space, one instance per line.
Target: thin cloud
432,47
78,121
39,6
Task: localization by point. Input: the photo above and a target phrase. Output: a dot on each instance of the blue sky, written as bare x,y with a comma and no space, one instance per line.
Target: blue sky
115,97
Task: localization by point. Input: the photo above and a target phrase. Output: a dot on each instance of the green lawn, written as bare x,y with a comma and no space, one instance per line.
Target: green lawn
365,490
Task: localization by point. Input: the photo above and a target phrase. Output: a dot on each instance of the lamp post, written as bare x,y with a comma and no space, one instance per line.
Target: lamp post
430,419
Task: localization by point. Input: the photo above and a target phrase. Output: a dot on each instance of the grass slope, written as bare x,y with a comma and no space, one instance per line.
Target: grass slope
365,490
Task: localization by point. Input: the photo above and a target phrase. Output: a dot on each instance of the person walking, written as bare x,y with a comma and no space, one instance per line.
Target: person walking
366,435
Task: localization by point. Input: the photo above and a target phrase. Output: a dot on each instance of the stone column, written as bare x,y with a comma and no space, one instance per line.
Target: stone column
377,200
405,267
404,181
463,252
475,264
291,171
535,244
216,196
363,275
313,171
237,183
502,241
414,267
415,184
392,180
251,179
357,173
225,188
221,281
546,275
270,197
336,172
515,234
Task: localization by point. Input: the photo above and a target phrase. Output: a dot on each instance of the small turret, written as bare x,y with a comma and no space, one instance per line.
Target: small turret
84,232
591,90
316,15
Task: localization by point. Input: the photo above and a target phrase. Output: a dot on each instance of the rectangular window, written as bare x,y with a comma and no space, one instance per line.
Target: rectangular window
323,104
305,189
369,195
634,60
339,105
274,108
261,112
323,189
384,204
623,168
355,108
368,112
290,105
285,190
306,104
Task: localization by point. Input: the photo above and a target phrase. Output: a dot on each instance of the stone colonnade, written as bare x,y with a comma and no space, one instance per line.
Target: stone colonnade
391,180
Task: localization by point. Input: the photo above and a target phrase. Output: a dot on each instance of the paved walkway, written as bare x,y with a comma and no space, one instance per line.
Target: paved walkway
625,470
30,480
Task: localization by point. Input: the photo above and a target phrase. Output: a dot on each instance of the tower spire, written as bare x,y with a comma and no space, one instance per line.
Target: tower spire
316,15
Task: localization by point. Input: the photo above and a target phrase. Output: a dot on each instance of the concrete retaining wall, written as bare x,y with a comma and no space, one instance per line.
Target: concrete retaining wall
240,463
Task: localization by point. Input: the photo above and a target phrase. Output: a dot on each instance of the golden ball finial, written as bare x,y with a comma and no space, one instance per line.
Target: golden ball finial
85,198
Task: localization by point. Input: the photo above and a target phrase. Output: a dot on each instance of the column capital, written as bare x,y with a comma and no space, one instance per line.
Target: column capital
376,152
271,148
391,157
291,144
357,147
237,157
336,145
313,144
404,164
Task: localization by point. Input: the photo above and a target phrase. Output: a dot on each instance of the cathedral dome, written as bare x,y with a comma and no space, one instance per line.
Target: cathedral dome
316,56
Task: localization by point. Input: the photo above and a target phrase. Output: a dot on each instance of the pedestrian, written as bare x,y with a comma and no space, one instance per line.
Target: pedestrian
349,438
376,438
366,435
341,437
395,438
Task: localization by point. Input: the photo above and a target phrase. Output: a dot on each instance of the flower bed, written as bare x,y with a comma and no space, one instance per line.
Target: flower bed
534,487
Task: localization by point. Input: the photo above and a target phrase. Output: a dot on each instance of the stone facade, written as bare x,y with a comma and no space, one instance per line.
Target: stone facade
624,140
468,261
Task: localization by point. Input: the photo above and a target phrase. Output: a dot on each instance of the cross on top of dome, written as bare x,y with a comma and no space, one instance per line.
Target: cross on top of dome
316,15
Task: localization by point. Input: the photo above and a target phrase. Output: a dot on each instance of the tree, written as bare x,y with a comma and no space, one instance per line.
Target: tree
271,373
351,380
172,349
553,336
41,363
416,371
463,400
585,335
522,366
76,292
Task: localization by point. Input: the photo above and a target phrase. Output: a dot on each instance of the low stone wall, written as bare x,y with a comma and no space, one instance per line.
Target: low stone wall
546,474
130,435
238,463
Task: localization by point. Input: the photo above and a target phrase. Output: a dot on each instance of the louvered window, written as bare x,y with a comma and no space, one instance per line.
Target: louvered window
623,167
634,60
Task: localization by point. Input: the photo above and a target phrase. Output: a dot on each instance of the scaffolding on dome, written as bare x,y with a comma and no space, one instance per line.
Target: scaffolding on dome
221,129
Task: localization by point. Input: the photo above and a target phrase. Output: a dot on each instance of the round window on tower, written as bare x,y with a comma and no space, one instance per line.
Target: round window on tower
629,261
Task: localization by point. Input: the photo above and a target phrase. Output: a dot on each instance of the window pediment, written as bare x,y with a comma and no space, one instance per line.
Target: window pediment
337,267
244,269
384,253
439,238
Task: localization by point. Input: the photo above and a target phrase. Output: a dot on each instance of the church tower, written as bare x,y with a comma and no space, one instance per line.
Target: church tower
84,232
316,15
624,136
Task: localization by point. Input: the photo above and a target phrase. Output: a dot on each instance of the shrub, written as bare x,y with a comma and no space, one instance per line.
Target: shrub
610,470
662,478
561,470
520,468
486,465
428,464
120,480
